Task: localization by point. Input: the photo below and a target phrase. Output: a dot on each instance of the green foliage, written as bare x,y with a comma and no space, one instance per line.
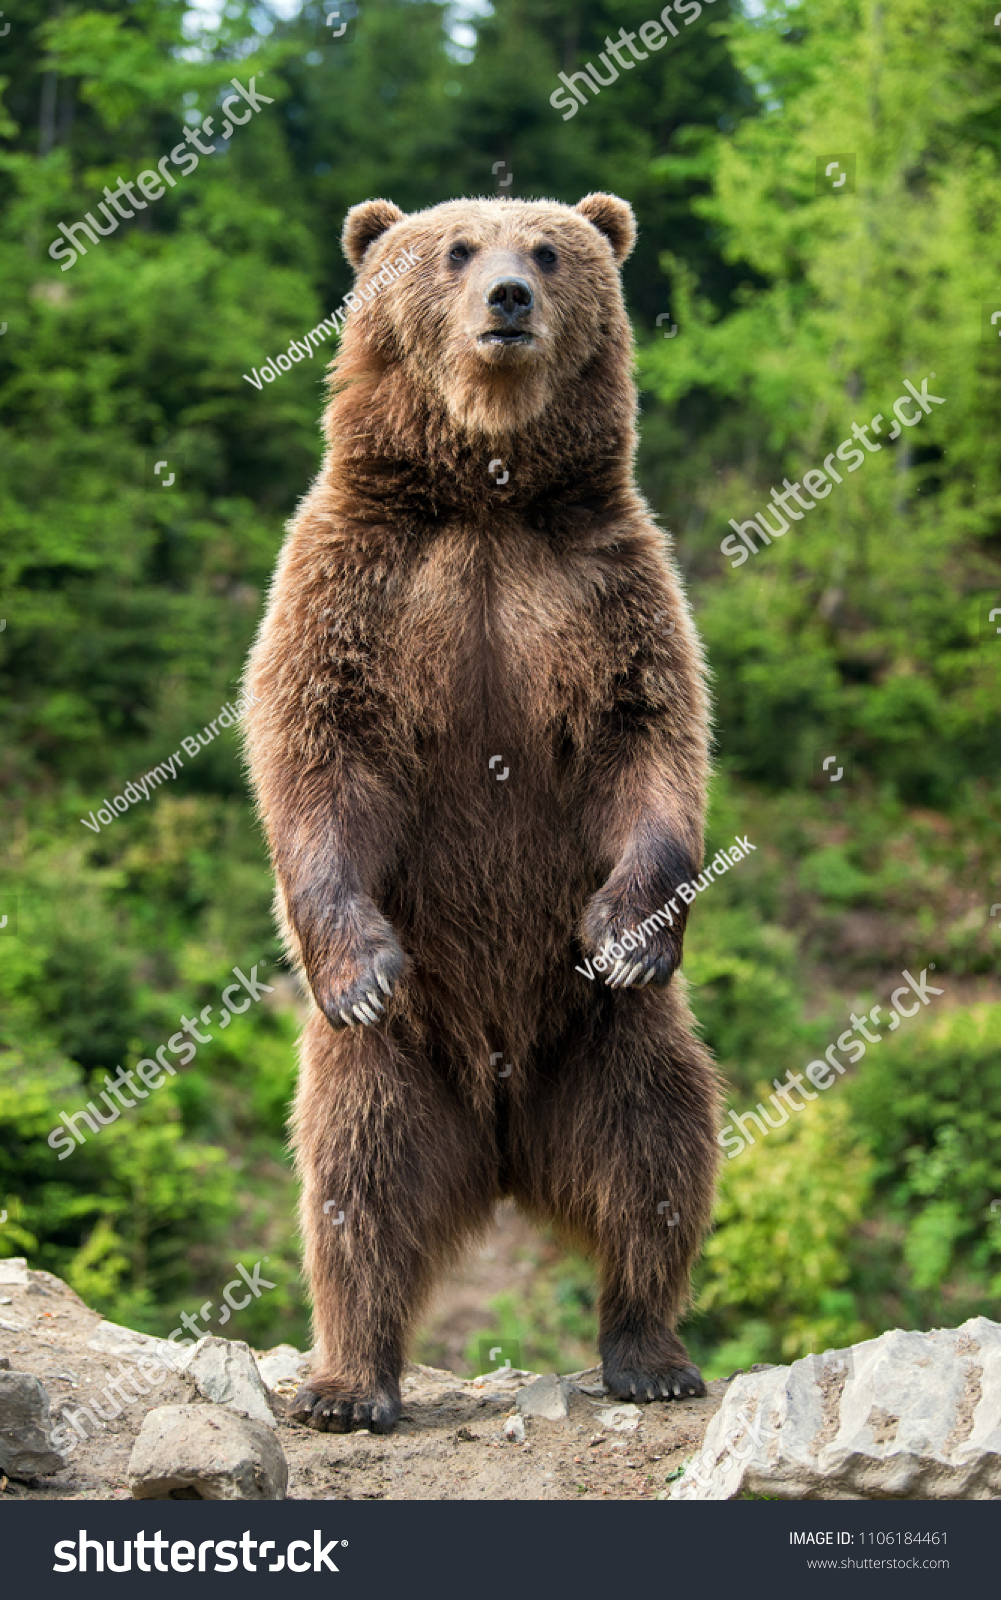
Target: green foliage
929,1108
857,623
773,1284
151,1203
744,990
120,1215
554,1322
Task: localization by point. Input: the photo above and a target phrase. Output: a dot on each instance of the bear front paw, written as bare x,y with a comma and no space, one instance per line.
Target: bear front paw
630,954
632,947
357,989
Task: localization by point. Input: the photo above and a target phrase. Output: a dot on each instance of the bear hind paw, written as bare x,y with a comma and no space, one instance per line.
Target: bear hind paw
683,1382
328,1408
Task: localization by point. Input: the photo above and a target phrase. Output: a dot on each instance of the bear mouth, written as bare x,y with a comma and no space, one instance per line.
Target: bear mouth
505,336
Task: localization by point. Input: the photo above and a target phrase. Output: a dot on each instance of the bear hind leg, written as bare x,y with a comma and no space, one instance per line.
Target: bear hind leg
396,1176
619,1150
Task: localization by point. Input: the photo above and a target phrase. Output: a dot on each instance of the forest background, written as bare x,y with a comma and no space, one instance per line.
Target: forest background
128,608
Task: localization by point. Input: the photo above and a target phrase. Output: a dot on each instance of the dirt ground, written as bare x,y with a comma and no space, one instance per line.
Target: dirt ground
449,1444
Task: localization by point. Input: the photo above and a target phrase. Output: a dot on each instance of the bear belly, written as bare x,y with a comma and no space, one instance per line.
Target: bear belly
488,889
495,864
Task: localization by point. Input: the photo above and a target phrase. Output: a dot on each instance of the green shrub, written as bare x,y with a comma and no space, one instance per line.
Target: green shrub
124,1215
928,1106
773,1283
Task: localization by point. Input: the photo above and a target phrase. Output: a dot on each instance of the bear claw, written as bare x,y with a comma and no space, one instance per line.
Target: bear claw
637,974
359,1001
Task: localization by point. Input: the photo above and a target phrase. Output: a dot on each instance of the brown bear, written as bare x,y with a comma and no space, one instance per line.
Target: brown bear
480,752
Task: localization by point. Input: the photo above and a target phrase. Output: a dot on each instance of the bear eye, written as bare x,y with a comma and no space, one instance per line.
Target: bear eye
459,252
546,255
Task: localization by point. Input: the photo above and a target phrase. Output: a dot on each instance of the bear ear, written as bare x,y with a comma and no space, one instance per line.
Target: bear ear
612,217
364,224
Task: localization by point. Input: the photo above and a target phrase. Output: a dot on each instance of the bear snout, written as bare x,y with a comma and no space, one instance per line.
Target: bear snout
512,297
509,301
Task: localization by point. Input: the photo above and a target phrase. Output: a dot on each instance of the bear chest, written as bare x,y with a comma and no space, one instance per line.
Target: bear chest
499,635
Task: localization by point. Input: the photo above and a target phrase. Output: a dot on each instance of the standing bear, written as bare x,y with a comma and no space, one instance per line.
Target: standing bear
478,741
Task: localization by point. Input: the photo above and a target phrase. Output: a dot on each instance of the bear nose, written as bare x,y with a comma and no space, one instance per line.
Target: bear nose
511,296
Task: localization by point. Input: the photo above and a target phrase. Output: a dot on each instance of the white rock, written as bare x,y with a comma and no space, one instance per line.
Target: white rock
112,1336
14,1271
514,1429
546,1397
620,1419
112,1339
511,1377
283,1364
25,1428
205,1452
906,1416
224,1370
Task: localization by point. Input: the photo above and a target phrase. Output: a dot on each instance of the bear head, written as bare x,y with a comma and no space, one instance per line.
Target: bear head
510,318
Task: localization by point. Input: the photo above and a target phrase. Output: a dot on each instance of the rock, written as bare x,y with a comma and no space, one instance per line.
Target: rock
514,1429
620,1419
14,1271
284,1364
25,1428
111,1339
913,1416
206,1452
506,1377
590,1382
546,1397
224,1370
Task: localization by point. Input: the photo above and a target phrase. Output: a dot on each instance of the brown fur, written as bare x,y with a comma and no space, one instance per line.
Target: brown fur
423,619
